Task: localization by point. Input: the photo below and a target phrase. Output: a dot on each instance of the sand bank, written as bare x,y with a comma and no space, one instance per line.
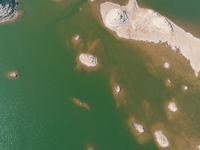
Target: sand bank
133,22
8,11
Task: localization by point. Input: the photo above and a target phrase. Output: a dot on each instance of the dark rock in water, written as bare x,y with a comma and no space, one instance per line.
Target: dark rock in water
8,10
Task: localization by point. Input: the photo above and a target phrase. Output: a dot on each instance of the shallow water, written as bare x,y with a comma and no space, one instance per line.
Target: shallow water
37,111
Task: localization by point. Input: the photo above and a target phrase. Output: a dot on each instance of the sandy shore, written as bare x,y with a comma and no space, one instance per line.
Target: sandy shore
133,22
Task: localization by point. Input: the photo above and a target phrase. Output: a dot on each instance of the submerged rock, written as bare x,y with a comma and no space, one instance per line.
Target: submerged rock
161,139
88,60
138,127
8,10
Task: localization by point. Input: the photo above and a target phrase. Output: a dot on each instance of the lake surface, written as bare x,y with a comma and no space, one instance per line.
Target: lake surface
37,111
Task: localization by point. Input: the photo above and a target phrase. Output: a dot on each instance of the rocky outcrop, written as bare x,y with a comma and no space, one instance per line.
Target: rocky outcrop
8,10
138,127
132,22
116,17
88,60
161,139
172,107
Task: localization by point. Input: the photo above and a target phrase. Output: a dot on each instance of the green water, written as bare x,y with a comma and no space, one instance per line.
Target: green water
37,112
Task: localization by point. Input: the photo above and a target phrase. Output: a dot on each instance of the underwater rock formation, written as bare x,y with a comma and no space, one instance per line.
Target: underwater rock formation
8,10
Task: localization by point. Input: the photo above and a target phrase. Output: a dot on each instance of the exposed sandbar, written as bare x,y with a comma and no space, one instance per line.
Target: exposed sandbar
133,22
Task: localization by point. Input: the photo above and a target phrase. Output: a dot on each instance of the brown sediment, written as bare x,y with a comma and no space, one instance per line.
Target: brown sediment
13,75
119,98
90,148
93,45
142,138
80,103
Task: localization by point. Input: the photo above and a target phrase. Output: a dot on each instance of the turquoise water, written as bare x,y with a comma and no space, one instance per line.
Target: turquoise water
36,110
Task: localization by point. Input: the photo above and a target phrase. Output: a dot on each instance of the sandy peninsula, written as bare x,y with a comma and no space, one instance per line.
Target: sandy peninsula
8,11
133,22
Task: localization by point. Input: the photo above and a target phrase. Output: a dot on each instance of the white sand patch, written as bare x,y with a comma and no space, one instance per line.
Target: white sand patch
133,22
88,60
138,127
117,89
161,139
172,107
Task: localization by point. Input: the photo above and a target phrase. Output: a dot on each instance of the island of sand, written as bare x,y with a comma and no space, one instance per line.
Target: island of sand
133,22
8,10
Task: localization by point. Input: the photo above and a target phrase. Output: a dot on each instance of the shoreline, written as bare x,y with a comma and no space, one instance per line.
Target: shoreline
143,32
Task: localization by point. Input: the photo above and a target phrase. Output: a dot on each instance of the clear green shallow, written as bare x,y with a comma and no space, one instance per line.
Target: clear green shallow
36,111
